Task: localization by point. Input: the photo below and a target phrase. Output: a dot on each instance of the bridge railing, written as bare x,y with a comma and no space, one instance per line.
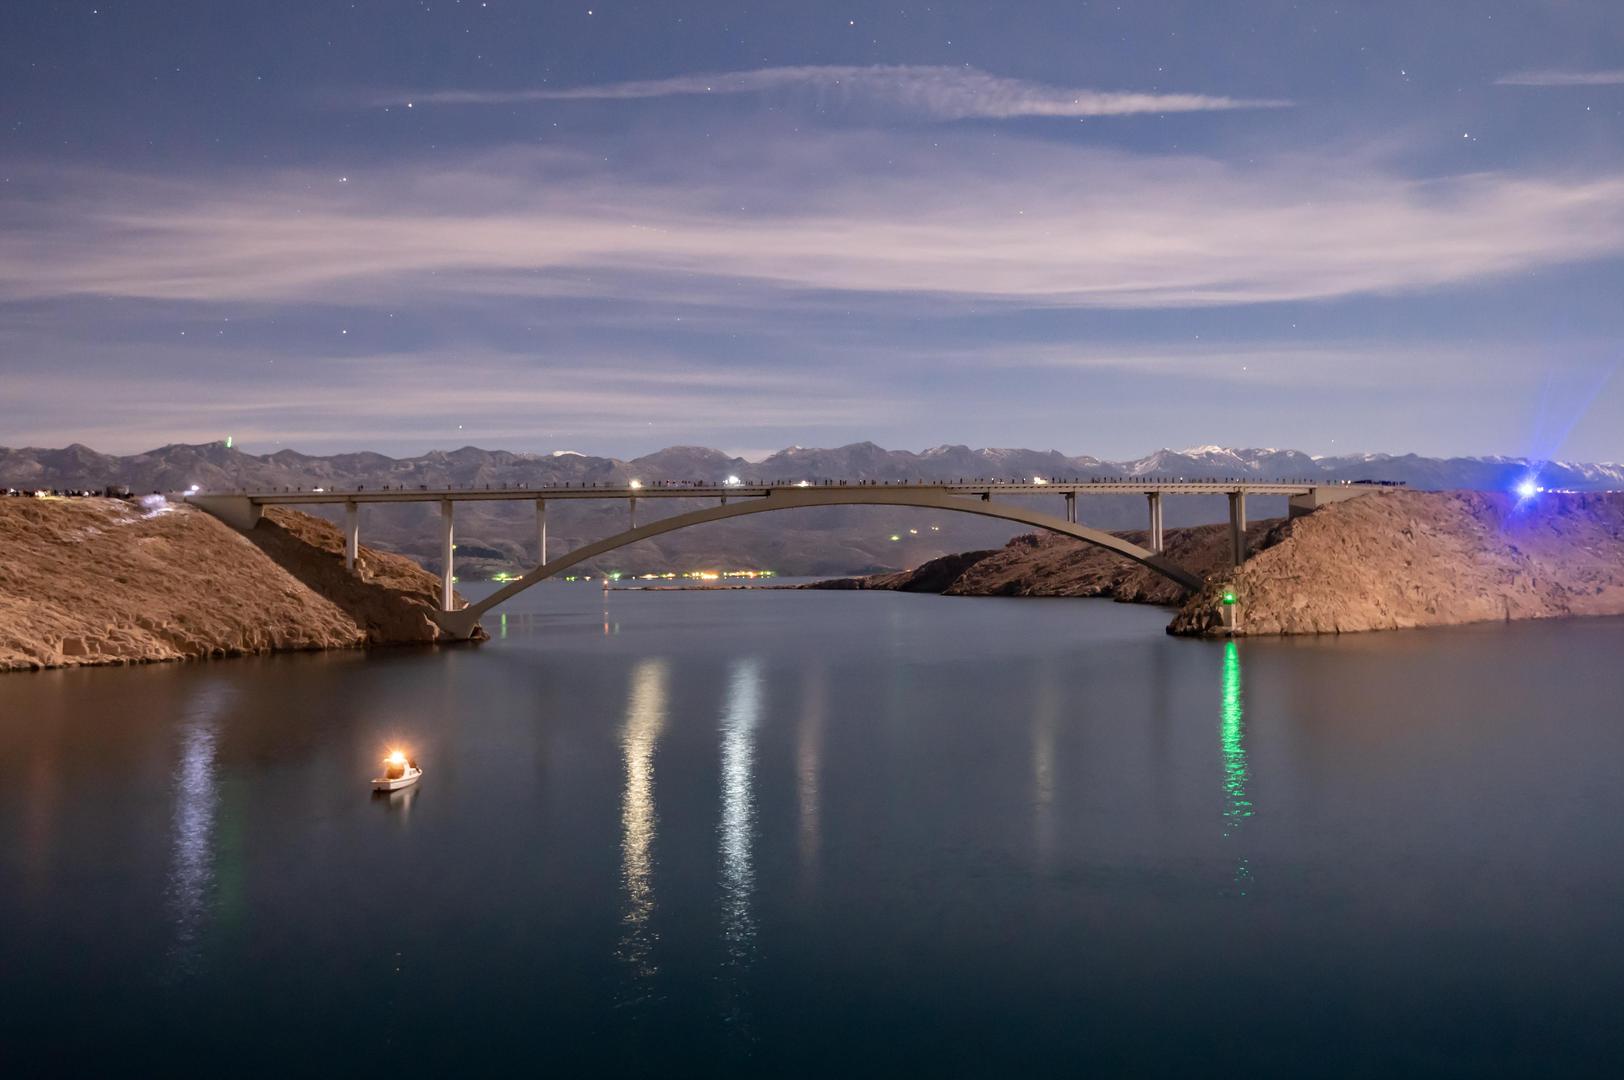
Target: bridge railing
632,487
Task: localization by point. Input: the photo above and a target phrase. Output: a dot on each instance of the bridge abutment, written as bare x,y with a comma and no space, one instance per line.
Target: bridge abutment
1324,495
238,511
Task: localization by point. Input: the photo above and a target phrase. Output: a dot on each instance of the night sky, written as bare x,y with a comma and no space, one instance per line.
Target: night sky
610,227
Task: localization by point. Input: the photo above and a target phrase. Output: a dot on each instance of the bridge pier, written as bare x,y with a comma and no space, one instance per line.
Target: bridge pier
631,507
352,533
541,531
1155,498
1237,526
1071,508
447,550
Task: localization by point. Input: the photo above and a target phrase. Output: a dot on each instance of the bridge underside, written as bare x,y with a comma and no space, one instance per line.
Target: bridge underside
461,623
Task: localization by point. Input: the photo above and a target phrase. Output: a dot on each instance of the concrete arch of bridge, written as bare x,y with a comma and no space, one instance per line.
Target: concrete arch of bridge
461,623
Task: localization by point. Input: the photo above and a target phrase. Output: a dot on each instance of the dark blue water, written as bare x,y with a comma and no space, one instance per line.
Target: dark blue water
826,833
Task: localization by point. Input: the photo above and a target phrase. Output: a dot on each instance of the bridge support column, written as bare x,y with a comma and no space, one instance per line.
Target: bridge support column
352,534
541,532
448,549
1071,508
1237,525
1155,500
631,506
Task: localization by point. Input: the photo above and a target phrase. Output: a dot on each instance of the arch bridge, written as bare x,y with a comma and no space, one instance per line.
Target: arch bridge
243,510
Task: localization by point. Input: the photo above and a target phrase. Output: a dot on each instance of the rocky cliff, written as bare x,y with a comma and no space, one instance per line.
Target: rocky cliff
1047,564
1408,559
106,581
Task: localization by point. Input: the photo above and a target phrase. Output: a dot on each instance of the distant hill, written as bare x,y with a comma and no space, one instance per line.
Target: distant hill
497,537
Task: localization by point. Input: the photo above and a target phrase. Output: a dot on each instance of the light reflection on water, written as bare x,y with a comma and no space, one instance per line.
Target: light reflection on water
736,836
809,766
739,719
1045,716
645,716
1232,745
196,801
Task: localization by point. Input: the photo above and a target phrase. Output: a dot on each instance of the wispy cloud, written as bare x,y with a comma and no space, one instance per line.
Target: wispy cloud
1562,78
150,395
976,220
939,93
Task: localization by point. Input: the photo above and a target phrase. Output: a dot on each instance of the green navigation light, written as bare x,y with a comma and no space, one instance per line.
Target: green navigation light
1229,596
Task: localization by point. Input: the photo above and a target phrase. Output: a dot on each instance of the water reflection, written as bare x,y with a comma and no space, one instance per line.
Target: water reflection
1045,714
39,823
398,803
738,806
192,826
809,766
1232,746
736,835
645,716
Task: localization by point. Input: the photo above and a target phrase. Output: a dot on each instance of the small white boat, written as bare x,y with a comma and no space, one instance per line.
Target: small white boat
399,771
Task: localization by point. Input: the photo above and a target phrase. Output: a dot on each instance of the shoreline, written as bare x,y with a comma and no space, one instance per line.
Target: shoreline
104,581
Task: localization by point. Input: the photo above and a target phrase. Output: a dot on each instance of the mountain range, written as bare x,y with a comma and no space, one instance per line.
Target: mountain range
496,537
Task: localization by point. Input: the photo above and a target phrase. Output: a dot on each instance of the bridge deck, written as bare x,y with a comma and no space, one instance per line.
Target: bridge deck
679,490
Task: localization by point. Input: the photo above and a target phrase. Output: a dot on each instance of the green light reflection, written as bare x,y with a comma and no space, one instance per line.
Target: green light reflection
1232,745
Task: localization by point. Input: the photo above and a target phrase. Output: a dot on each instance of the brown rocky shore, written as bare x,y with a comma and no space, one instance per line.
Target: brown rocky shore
107,581
1047,564
1411,558
1390,560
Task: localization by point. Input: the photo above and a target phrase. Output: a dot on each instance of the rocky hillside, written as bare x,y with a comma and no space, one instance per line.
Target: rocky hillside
1047,564
105,581
1389,560
1407,559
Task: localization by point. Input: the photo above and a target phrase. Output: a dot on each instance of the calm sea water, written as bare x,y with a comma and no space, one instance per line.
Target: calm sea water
828,834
